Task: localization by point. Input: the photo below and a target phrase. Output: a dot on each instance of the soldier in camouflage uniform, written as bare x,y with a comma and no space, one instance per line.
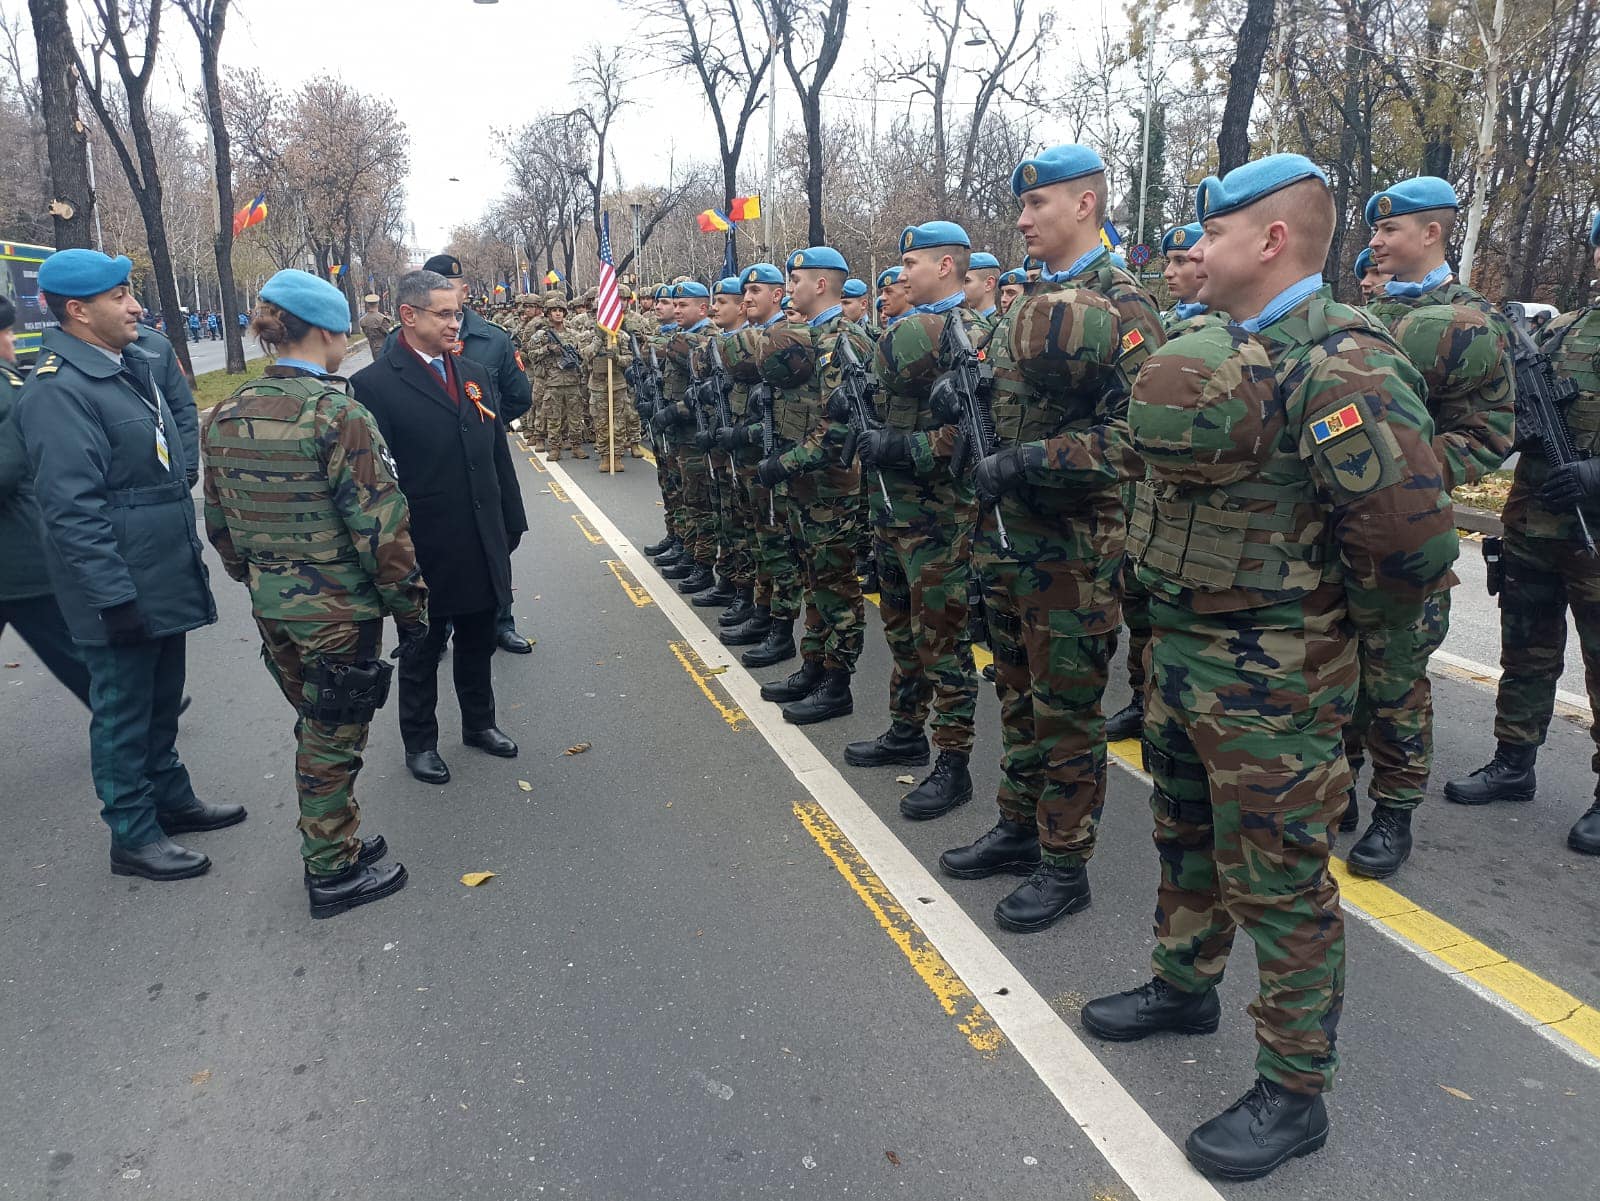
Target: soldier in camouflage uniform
375,324
674,550
1064,358
598,349
1546,570
1290,500
555,358
1013,284
696,514
735,567
982,287
924,532
531,322
853,307
800,359
1370,278
302,505
1461,345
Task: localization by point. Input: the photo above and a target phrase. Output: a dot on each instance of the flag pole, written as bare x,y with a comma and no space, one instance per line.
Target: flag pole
611,404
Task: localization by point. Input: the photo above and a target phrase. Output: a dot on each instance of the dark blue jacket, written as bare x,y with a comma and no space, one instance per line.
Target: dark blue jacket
118,525
22,573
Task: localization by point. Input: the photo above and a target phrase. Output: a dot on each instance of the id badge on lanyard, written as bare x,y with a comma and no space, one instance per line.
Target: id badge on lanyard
163,452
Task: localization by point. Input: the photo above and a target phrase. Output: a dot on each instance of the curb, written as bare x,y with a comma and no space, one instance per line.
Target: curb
1478,521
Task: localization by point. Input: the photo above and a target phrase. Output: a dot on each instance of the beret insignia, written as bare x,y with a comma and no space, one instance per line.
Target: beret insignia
905,242
800,260
1179,237
1030,174
1385,206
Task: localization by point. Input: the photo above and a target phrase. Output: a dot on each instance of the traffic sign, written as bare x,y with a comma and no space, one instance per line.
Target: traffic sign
1139,255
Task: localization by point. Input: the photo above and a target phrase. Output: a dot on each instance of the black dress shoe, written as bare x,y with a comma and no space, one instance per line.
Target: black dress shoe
900,743
750,632
372,850
680,570
1385,846
827,700
741,611
946,787
162,859
359,884
721,596
1010,848
656,548
428,767
698,580
200,816
492,741
1127,722
1044,898
794,686
1508,776
1584,837
777,647
513,642
1152,1008
1259,1132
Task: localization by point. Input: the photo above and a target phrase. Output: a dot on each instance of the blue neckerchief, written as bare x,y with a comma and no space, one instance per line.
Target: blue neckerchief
1084,262
698,325
667,328
302,365
894,321
942,306
825,315
1283,302
991,311
772,320
1189,308
1410,291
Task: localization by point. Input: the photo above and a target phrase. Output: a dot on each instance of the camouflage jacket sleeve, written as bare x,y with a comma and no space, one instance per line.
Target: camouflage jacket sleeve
216,524
1368,442
1465,360
362,484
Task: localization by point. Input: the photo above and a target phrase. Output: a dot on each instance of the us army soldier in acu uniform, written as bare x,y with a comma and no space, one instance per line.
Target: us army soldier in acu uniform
1064,358
1292,499
302,505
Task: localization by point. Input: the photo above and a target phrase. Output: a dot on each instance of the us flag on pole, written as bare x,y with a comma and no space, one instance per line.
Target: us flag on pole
608,301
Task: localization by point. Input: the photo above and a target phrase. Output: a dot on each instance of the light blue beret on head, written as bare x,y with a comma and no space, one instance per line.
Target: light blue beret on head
78,272
1055,165
1594,230
1412,196
854,289
982,260
1245,185
889,275
761,273
315,301
690,290
817,258
1365,261
1181,237
728,286
1015,276
933,233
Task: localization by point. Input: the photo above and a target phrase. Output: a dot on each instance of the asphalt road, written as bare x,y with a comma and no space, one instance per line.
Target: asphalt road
684,981
206,355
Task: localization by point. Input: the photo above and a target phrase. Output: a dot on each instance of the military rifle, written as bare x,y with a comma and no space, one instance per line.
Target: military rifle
851,402
646,384
699,404
964,396
761,403
719,384
1541,400
569,355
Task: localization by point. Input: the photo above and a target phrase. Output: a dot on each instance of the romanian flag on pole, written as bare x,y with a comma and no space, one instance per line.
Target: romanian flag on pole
253,213
745,208
714,221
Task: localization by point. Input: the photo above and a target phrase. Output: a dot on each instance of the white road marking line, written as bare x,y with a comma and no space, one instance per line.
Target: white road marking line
1148,1162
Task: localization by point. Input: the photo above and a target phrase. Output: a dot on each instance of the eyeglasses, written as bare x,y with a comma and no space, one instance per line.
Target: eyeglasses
441,314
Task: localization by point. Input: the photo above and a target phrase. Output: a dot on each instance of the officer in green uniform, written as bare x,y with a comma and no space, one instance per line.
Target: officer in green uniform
301,504
1290,501
1064,359
1547,571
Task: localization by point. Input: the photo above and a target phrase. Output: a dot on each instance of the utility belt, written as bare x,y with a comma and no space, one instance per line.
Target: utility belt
351,691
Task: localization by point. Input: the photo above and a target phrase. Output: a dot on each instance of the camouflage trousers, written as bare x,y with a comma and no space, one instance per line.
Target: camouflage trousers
627,420
697,508
1393,720
563,416
823,511
1249,775
1543,579
533,420
923,600
725,511
866,540
739,523
1136,619
327,757
671,484
1051,626
772,543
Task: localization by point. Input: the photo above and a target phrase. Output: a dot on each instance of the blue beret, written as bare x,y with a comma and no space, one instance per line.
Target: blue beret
817,258
1055,165
784,304
854,288
761,273
933,233
1015,276
1365,261
1594,230
662,292
74,274
982,260
690,290
1181,237
889,275
1245,185
315,301
727,286
1412,196
1029,263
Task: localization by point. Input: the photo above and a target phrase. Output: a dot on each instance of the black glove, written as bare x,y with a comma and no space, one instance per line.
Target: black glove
704,441
771,472
884,448
724,437
998,474
1572,484
124,624
411,639
662,420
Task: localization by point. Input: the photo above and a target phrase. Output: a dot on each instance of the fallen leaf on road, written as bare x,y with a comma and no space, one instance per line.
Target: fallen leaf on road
525,786
905,779
12,666
201,1076
473,879
577,749
716,671
1456,1093
892,1158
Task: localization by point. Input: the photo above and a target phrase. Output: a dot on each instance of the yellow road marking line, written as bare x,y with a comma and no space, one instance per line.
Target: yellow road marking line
952,993
636,592
537,466
588,533
702,676
558,492
649,455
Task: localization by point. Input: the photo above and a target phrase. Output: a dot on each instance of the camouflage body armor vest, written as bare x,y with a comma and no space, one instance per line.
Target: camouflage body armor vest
1573,343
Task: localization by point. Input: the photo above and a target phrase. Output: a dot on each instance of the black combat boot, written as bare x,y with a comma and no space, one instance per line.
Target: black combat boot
1153,1008
869,578
741,611
1385,846
1044,898
669,554
1011,848
827,700
777,647
656,548
1507,777
751,630
795,685
719,597
988,673
681,570
1259,1132
372,850
359,884
698,580
948,785
1127,722
1584,836
900,743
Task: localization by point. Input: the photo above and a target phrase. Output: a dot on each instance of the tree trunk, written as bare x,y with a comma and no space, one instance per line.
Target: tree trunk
1255,35
813,122
65,135
222,165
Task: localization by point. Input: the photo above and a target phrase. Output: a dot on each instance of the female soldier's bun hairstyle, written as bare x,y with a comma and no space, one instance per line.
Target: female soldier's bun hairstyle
275,327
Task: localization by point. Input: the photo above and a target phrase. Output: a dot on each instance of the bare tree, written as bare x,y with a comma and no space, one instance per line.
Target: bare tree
601,77
810,33
71,198
1244,76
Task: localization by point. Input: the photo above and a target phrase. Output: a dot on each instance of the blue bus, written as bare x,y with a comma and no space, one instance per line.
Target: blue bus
19,282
